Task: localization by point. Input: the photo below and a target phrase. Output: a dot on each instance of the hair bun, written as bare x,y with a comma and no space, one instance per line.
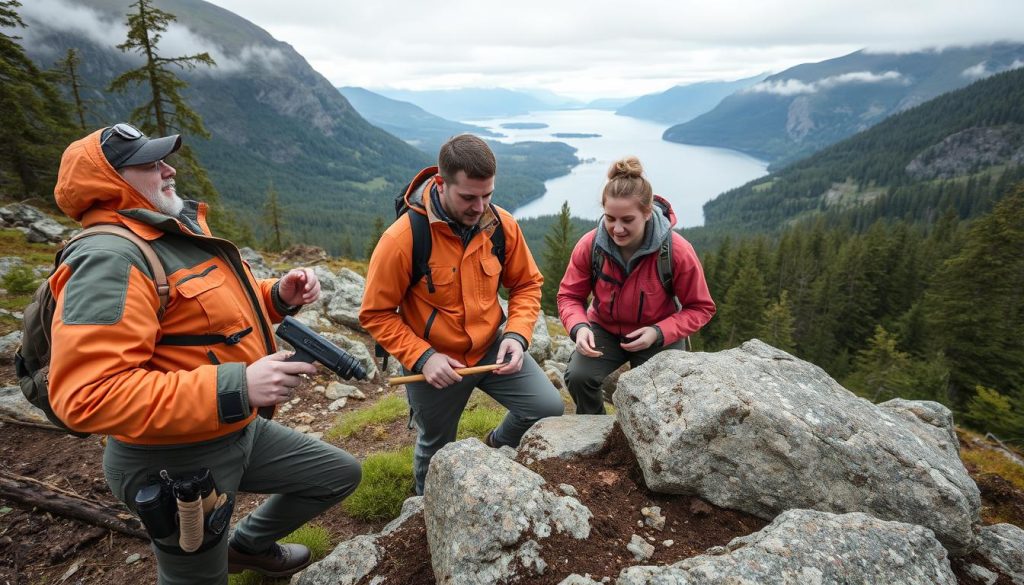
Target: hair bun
627,168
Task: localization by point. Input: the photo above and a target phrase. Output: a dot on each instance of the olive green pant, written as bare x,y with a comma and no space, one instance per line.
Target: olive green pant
584,375
306,476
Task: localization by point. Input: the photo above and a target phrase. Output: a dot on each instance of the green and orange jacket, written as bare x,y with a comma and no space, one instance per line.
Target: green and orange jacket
462,317
119,369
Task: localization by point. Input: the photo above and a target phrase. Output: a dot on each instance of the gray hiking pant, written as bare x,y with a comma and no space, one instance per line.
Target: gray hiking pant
528,395
306,476
584,375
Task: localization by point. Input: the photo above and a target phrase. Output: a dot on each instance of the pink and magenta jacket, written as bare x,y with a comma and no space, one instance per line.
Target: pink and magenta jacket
629,295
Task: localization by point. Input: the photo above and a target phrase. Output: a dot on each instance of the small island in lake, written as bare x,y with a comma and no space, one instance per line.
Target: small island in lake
575,135
524,125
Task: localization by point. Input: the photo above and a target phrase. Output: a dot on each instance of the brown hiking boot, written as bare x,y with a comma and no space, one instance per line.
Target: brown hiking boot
280,560
490,442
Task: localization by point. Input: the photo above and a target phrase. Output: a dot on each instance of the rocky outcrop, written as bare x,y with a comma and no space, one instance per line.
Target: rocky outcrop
487,516
1002,545
343,301
566,437
37,226
256,263
970,151
354,559
805,546
757,430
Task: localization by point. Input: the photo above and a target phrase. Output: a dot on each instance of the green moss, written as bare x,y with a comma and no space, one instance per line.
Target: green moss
387,482
383,412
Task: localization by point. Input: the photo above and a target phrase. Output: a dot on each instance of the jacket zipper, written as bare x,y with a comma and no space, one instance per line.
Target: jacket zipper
640,311
430,323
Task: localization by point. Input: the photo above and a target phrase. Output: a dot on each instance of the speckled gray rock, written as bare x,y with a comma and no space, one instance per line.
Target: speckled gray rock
487,516
566,437
353,559
755,429
256,263
1003,546
14,405
344,302
8,345
575,579
540,344
561,349
805,546
45,231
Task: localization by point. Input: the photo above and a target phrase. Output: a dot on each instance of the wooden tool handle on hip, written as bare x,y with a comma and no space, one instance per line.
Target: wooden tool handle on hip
461,371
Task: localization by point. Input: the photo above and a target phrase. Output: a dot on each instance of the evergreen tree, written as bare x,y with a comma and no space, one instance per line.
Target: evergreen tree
881,371
975,307
778,325
560,241
68,67
378,231
346,250
34,121
743,314
993,412
166,111
273,216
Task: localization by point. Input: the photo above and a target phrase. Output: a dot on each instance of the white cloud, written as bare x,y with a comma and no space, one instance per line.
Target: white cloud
177,40
982,69
788,87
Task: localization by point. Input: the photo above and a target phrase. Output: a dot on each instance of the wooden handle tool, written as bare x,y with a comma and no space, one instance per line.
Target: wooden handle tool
461,371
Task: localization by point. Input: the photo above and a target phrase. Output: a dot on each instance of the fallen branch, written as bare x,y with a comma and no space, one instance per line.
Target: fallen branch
26,423
34,493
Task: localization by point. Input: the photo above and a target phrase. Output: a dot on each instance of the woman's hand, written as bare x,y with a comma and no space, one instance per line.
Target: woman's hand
639,340
585,342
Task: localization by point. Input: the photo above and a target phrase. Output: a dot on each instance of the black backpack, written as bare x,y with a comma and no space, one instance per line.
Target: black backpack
422,245
32,360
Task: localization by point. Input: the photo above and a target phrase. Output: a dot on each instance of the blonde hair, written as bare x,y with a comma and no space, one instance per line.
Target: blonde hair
626,180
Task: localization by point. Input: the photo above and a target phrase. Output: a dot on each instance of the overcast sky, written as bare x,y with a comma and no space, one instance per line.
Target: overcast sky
590,48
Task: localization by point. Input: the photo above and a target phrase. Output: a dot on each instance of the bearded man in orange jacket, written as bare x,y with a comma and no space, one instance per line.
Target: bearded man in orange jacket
451,317
178,392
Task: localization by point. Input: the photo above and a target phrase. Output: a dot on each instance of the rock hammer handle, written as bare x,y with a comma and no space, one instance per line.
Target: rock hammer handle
461,371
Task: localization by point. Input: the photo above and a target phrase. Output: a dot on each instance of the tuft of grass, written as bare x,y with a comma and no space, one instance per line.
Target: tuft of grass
13,243
555,329
20,280
478,421
317,538
991,461
387,482
383,412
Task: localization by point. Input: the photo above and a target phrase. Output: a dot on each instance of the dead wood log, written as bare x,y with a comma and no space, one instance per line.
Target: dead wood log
34,493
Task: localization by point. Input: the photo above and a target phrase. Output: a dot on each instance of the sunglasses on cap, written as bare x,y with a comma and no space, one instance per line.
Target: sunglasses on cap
125,131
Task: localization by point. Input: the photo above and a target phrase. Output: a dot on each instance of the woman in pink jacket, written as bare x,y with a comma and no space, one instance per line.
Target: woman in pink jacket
633,314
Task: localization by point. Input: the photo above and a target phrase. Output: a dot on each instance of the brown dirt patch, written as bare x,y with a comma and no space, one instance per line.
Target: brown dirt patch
407,558
1001,501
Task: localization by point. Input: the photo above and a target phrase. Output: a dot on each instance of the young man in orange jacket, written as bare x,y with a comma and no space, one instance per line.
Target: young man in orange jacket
178,393
451,318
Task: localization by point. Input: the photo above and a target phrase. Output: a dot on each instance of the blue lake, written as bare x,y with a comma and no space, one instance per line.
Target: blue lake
688,176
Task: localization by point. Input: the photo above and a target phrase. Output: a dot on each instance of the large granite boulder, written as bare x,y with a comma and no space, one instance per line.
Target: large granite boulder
1002,545
806,546
566,437
256,263
344,300
758,430
487,516
356,558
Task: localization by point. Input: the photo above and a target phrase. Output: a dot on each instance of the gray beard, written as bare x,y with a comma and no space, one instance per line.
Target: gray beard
171,207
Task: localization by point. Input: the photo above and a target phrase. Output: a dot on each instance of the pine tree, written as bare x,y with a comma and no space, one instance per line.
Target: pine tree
990,411
778,325
975,307
743,314
273,216
378,231
346,250
560,241
34,121
68,68
880,370
166,112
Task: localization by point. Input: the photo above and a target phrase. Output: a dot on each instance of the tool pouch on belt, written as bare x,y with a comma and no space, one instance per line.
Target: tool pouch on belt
184,515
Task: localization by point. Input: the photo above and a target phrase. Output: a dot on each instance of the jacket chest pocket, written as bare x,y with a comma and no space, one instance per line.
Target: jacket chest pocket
213,308
490,279
446,286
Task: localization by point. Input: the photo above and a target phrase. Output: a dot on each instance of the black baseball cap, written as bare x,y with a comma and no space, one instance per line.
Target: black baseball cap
125,145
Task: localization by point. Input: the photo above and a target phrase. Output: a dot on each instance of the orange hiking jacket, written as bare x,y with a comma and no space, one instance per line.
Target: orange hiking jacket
461,319
117,368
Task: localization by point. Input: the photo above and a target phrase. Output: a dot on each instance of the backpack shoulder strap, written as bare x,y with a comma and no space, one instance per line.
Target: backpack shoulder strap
665,266
163,289
596,262
498,238
421,248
